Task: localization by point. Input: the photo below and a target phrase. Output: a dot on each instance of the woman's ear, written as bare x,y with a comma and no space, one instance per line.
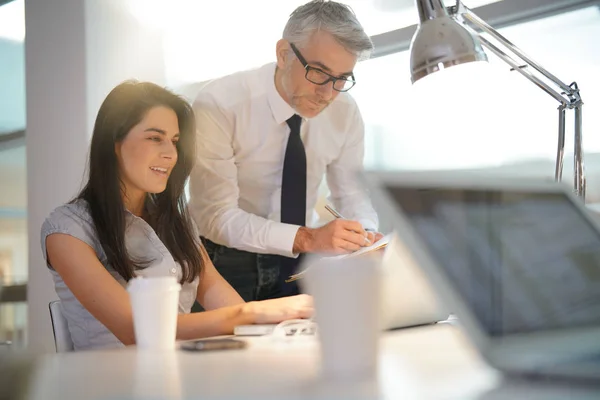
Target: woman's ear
118,150
282,51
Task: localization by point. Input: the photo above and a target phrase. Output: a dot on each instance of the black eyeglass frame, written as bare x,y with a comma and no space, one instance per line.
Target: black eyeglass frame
331,78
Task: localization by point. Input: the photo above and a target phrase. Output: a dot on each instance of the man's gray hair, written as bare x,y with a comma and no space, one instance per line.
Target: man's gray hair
336,18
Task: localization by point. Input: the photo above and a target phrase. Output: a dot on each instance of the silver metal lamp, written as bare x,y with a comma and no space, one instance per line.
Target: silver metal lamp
449,37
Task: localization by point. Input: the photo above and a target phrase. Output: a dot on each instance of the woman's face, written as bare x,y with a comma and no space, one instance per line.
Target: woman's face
148,153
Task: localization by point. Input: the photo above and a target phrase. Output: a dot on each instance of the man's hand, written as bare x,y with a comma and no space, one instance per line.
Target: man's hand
340,236
374,236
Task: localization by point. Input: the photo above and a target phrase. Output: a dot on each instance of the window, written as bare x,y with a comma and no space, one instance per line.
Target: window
13,180
13,219
200,44
497,119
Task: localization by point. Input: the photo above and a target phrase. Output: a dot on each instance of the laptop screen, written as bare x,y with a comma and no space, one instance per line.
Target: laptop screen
523,261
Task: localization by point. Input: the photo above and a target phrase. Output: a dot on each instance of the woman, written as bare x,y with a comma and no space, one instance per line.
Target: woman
131,219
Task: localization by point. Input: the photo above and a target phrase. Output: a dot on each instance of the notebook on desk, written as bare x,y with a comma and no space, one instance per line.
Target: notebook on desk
517,260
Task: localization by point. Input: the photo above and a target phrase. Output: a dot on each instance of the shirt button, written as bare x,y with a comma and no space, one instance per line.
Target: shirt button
173,271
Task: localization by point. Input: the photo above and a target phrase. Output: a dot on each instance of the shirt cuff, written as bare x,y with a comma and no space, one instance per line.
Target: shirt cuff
281,238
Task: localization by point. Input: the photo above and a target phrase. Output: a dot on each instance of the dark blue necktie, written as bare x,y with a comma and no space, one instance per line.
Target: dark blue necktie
293,182
293,195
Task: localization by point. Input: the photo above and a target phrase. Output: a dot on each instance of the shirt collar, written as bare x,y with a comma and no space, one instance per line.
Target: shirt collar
281,110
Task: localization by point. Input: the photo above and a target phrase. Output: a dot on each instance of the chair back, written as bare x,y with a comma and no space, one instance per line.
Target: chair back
62,336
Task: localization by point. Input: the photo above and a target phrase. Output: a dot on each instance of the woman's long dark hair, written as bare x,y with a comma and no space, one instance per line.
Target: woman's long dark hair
124,107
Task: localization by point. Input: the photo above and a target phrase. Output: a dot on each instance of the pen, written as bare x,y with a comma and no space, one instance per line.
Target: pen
338,215
333,212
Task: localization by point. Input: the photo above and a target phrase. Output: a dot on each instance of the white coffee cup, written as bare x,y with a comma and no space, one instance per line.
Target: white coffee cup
155,303
346,296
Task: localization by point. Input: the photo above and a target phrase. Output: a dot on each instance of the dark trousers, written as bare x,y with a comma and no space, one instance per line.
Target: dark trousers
253,276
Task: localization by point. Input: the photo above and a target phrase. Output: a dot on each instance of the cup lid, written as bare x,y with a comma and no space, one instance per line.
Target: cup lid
153,283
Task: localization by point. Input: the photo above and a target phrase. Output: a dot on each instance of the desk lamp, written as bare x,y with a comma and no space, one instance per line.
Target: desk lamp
447,37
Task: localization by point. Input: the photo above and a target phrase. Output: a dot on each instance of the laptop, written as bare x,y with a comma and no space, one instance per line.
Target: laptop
408,300
518,261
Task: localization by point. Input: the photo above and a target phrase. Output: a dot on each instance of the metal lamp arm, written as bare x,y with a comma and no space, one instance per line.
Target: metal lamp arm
568,95
560,97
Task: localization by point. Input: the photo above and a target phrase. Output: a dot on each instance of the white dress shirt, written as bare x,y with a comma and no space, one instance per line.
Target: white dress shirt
235,186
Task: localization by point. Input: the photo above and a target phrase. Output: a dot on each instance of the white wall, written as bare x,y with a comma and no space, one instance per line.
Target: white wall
76,51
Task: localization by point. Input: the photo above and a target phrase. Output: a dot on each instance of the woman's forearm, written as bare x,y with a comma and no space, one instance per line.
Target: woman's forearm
219,294
214,291
213,323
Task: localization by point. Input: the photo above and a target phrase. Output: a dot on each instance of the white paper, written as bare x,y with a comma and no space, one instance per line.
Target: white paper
384,241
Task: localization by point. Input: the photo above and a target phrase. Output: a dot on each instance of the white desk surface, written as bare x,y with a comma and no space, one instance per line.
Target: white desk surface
434,362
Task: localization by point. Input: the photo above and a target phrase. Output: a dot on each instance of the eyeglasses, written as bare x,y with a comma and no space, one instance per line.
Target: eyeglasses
320,77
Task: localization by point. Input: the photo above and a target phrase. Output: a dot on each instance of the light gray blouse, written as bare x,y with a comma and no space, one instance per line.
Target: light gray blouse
141,242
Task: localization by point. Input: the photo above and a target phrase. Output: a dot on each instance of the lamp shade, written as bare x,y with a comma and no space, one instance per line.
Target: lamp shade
440,42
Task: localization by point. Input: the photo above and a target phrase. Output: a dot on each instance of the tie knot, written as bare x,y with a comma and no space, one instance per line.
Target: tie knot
294,122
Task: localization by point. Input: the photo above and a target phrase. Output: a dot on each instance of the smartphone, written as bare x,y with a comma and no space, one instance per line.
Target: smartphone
213,344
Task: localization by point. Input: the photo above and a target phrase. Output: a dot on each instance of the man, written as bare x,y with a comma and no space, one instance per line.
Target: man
266,138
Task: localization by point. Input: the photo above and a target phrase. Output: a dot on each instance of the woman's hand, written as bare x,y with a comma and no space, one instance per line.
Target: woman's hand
277,310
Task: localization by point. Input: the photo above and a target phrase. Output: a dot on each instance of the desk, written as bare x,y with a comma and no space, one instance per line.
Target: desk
434,362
